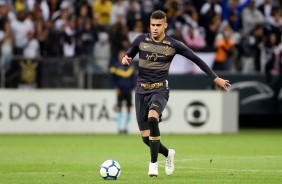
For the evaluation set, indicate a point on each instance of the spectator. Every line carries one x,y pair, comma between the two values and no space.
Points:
102,48
252,17
119,39
62,16
212,30
32,49
69,42
42,5
273,53
138,29
84,13
53,45
173,9
235,38
41,35
6,48
86,39
54,6
232,10
194,40
224,47
208,10
119,11
21,25
4,9
133,14
250,50
147,7
275,23
192,20
177,32
83,10
266,8
102,11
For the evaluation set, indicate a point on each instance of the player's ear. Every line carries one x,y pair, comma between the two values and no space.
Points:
165,25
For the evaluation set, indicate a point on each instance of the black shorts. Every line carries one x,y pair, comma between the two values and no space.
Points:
124,96
145,102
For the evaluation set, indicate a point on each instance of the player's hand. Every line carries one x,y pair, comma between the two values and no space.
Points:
221,83
126,60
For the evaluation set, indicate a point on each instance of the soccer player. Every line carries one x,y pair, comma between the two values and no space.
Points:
123,79
156,51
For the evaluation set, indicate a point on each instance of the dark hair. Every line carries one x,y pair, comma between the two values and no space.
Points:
158,14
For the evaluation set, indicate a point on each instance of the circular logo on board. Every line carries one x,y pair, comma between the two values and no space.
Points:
166,114
196,113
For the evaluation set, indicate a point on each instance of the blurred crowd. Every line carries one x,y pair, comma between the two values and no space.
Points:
244,34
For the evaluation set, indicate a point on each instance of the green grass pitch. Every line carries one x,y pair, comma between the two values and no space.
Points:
251,156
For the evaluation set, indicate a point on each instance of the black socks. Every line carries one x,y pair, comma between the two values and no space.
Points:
163,150
154,138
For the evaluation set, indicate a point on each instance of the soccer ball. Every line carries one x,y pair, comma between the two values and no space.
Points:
110,169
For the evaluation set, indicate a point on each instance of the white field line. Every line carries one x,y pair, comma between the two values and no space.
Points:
199,169
227,158
234,170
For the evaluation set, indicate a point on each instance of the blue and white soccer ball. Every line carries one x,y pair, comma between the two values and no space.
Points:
110,169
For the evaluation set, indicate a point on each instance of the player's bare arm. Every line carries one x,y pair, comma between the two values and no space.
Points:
126,60
221,83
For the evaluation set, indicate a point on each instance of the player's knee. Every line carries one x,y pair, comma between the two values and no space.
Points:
153,113
154,127
146,140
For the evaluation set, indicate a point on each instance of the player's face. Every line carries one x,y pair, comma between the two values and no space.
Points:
157,27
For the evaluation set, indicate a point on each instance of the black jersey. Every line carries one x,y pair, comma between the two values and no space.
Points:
155,59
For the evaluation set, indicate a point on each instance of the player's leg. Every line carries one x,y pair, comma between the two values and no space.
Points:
153,166
128,99
141,115
158,103
155,135
118,112
142,107
163,150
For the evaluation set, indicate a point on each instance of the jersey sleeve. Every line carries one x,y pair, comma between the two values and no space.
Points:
134,48
189,54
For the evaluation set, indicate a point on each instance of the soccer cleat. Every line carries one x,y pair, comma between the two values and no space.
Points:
153,169
169,166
